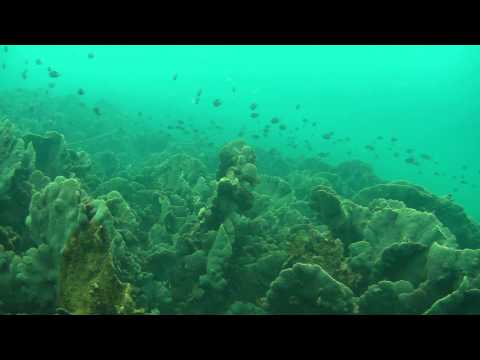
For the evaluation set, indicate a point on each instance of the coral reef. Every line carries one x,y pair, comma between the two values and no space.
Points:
88,283
308,289
142,224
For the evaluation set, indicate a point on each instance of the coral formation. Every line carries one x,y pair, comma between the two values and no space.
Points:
143,224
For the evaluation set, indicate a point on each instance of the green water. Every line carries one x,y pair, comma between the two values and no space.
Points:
426,96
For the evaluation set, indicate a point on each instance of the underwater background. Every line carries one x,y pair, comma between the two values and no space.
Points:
426,96
239,179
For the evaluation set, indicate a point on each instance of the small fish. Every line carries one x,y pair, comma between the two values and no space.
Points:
91,55
305,120
282,127
175,76
24,74
464,167
38,62
217,102
199,93
96,110
5,48
53,73
4,66
253,106
81,92
426,157
196,100
369,147
314,124
275,120
297,107
26,62
379,137
254,115
51,85
234,90
411,161
327,136
393,139
323,154
410,151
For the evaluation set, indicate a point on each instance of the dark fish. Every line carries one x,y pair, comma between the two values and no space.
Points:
24,74
436,173
328,136
369,147
217,102
96,110
81,92
379,137
463,182
196,101
464,167
314,124
410,151
323,154
175,76
393,139
51,85
282,127
256,137
234,90
199,93
91,55
411,161
53,73
305,120
275,120
38,62
425,156
254,115
297,107
253,106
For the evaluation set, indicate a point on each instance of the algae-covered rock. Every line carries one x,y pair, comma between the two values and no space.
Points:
235,184
392,222
28,282
54,159
450,214
241,308
344,218
354,175
88,280
307,245
463,301
384,297
56,212
218,256
125,217
402,261
307,288
16,165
